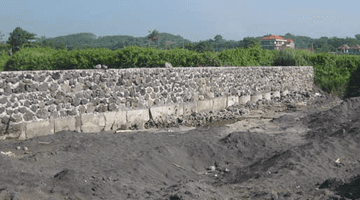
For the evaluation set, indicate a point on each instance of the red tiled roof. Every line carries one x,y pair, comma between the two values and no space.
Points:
275,37
272,37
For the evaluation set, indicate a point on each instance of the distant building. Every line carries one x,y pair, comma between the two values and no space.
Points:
343,48
276,42
354,50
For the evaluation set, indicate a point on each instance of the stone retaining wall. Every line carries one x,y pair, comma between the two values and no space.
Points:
35,103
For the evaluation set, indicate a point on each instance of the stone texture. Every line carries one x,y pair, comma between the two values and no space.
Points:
5,119
41,128
44,95
16,118
42,114
28,116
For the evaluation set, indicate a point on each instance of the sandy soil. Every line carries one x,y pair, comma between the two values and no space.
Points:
293,154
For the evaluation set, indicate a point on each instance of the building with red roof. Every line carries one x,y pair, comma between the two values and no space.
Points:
276,42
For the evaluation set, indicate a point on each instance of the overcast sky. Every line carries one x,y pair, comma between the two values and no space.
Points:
194,20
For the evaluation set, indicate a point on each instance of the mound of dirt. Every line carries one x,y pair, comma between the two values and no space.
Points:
292,154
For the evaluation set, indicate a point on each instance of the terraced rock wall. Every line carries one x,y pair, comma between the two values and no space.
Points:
35,103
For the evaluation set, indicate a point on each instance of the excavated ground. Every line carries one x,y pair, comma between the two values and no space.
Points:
260,151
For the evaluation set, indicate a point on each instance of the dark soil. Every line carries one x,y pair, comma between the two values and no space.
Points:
322,163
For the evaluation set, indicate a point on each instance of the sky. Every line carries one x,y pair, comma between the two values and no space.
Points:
195,20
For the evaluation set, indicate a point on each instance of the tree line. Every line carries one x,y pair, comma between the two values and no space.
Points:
20,38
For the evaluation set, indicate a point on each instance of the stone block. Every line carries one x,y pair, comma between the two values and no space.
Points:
267,95
157,112
276,94
255,97
16,131
172,110
68,123
92,123
109,120
189,108
232,100
204,106
119,120
39,128
244,99
138,116
219,104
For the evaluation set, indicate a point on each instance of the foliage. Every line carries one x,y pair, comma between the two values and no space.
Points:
200,47
3,60
218,44
82,51
30,59
285,58
353,89
1,36
19,38
254,43
357,36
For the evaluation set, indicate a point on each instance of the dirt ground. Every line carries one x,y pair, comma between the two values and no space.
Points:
307,153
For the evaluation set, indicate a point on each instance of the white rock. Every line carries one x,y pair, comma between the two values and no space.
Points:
9,153
168,65
101,67
211,168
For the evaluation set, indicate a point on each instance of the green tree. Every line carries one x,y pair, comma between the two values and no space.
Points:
19,38
251,42
218,39
323,40
326,48
1,36
247,41
64,46
357,36
336,42
203,47
289,36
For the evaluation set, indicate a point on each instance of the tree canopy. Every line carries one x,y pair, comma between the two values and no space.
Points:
20,38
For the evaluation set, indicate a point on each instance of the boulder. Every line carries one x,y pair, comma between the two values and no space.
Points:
99,66
168,65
